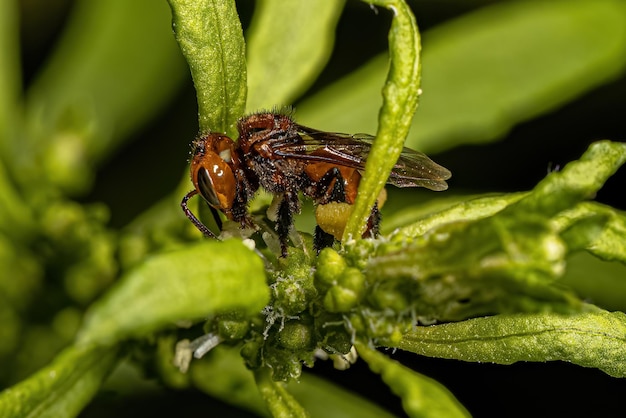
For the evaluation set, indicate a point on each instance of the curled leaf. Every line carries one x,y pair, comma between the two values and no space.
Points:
607,241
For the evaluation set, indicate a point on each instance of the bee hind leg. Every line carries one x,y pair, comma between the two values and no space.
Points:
336,193
373,223
322,239
330,188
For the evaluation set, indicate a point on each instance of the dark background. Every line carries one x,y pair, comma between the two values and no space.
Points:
129,183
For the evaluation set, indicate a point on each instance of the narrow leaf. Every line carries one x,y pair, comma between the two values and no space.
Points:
559,191
593,339
476,208
10,74
421,396
186,284
284,59
400,97
62,388
280,402
209,34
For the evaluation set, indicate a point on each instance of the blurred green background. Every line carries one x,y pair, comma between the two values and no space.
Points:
149,155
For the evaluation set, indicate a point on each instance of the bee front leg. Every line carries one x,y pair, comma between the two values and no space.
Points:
197,223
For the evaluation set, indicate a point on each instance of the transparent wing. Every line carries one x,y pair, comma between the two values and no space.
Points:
413,168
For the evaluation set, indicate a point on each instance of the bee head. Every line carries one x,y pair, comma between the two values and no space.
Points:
212,170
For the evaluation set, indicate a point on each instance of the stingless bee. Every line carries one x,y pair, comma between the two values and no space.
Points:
284,158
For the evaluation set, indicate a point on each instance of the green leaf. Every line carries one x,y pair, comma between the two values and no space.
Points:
16,217
487,71
508,261
321,398
504,263
471,209
351,104
421,396
186,284
209,34
236,386
510,62
10,76
20,274
558,194
579,180
400,97
115,66
593,339
62,388
284,59
278,400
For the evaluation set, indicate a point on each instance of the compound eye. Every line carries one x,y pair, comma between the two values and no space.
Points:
215,181
206,189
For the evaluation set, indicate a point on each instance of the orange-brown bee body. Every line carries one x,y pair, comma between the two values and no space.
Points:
284,158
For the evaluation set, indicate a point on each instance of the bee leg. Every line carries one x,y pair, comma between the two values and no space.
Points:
338,191
332,189
201,227
373,223
289,205
244,194
322,239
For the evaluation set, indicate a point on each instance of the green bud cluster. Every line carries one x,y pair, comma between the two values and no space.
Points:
343,286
